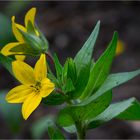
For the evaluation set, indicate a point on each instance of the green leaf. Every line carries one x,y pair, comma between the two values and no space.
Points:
126,110
55,133
65,118
66,81
70,129
84,56
54,99
101,68
11,113
83,61
71,70
58,67
81,82
84,110
132,112
6,62
64,72
115,80
68,87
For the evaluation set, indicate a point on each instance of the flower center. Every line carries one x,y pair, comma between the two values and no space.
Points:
37,86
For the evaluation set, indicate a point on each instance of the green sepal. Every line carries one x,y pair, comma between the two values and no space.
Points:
35,42
43,38
30,28
32,40
25,49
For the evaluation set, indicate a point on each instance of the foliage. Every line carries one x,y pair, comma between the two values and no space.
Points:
82,85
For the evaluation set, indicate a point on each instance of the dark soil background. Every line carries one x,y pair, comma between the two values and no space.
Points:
67,26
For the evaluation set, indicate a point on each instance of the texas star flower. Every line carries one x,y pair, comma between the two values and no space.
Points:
29,18
35,85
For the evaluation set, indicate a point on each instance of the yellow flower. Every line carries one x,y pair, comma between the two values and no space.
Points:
35,85
29,18
120,47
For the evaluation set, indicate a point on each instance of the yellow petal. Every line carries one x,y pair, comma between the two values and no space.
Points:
22,28
6,49
30,16
120,47
23,72
18,94
20,57
40,69
30,104
47,87
36,31
16,32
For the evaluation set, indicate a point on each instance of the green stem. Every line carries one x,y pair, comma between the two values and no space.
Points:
81,135
61,92
81,131
50,57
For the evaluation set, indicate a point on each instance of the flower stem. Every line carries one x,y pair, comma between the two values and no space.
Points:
81,135
81,131
50,57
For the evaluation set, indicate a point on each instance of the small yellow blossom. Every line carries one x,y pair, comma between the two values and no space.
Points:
120,47
35,85
29,17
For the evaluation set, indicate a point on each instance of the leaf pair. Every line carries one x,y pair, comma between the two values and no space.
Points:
101,69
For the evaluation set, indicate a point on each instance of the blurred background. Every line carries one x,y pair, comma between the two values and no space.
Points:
67,26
